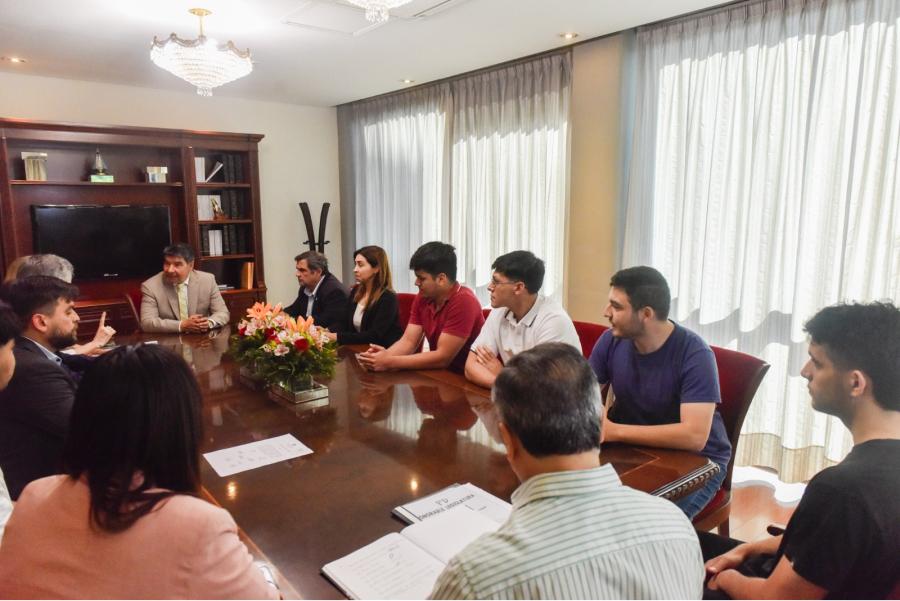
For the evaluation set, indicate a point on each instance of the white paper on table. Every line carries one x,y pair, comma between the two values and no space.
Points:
256,454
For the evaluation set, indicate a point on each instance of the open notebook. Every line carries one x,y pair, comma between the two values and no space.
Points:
406,564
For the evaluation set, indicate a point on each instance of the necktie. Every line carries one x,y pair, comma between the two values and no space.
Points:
182,301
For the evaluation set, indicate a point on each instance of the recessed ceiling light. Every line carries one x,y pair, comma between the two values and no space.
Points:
407,81
568,35
13,59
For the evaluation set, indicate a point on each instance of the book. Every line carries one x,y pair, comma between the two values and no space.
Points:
200,169
215,243
215,170
467,495
35,166
406,564
204,240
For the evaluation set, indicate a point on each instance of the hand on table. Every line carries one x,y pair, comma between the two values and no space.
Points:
487,359
194,324
727,561
375,358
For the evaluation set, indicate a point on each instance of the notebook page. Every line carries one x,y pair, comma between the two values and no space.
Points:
446,534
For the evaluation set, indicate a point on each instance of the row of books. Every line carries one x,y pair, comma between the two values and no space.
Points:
229,204
232,168
224,240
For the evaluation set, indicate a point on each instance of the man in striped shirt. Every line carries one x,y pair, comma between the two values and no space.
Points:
575,531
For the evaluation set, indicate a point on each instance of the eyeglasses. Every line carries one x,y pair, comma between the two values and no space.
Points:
494,283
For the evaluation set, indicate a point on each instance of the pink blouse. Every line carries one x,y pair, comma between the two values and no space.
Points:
185,548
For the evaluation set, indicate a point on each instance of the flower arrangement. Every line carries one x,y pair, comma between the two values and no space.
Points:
282,350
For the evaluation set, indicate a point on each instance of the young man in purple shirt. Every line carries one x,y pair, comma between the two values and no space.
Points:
663,378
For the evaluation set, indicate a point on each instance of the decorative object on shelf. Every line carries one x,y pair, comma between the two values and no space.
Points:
35,166
201,62
157,175
378,11
216,207
99,172
284,352
247,275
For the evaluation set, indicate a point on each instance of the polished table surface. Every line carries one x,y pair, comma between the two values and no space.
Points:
382,440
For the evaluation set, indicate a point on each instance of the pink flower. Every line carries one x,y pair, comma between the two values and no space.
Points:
281,350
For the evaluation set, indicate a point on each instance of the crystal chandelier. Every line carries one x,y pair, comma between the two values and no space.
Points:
201,62
377,10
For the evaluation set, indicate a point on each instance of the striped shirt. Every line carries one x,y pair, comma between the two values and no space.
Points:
580,535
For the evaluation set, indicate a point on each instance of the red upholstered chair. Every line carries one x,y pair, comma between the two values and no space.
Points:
588,334
739,378
404,305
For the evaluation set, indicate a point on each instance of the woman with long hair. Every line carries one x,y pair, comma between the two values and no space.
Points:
125,519
372,309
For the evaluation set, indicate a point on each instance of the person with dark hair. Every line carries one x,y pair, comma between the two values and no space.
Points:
520,320
9,330
180,298
321,296
35,407
843,540
444,313
664,383
125,519
575,532
371,316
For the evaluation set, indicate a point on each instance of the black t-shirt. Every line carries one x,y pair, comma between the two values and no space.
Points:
845,534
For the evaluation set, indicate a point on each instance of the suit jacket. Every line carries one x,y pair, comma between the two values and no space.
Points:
380,322
329,305
159,305
34,417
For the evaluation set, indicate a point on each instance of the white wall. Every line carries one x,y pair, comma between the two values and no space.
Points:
298,158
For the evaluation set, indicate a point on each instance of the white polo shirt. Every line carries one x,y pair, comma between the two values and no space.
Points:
547,321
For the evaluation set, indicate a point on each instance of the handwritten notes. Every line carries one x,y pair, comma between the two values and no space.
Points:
256,454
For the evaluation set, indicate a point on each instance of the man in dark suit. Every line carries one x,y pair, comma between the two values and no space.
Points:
321,295
35,407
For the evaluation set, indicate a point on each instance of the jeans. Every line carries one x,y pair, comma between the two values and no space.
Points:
693,503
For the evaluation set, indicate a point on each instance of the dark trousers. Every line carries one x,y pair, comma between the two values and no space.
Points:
713,545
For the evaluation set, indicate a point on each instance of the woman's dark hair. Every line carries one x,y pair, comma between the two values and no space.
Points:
381,281
136,425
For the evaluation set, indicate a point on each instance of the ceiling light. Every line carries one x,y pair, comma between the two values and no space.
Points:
568,36
407,81
13,59
201,62
377,10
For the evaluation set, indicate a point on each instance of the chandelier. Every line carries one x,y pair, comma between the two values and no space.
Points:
377,10
201,62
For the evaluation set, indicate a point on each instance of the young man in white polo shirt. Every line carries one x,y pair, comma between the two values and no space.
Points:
521,318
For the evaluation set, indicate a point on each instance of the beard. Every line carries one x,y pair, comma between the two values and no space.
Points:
61,340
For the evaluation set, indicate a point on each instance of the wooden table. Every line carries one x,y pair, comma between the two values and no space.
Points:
381,441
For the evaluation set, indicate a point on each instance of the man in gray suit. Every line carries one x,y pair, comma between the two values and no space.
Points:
179,299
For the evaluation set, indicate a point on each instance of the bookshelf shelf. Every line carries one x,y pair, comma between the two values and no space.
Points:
220,186
22,182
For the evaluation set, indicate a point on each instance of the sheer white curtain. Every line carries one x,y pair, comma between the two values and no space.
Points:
480,162
394,175
764,184
509,168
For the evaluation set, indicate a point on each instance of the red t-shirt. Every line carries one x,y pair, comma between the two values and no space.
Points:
460,316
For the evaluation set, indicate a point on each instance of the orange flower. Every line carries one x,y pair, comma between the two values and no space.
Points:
258,310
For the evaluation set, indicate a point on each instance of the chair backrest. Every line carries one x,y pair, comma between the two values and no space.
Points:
588,334
740,375
404,306
133,298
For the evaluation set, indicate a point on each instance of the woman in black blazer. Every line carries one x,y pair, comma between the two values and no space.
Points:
372,310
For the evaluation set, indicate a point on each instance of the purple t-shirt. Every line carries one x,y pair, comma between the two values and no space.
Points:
650,388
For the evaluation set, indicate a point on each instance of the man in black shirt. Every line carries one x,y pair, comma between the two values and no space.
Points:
843,541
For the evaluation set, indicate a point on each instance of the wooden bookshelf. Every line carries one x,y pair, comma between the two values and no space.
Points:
127,151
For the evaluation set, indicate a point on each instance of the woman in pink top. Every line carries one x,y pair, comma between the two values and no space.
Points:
125,521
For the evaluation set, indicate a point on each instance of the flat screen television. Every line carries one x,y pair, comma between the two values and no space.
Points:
104,242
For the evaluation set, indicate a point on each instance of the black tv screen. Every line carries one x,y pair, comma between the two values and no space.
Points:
104,241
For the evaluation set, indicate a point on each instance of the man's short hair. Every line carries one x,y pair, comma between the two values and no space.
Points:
180,249
315,261
645,287
435,258
864,337
521,266
10,327
36,294
549,398
51,265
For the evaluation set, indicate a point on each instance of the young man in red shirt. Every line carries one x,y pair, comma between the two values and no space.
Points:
445,313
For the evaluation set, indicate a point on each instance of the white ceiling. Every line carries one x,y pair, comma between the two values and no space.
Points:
332,56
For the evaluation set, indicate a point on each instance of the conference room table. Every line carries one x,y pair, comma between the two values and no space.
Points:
379,441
